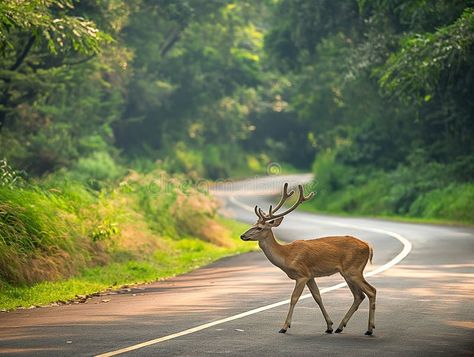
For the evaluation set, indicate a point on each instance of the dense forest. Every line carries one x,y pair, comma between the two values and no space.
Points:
97,97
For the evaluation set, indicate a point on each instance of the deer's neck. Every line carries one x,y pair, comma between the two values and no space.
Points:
273,250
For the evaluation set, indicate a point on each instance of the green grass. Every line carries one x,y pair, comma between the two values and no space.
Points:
421,192
61,238
181,256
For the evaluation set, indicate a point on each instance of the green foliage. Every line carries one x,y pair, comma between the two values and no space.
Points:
330,175
383,92
32,221
155,256
376,94
48,21
303,25
426,59
55,228
417,190
179,77
181,257
97,167
189,92
155,199
8,176
453,202
55,90
105,230
185,160
201,86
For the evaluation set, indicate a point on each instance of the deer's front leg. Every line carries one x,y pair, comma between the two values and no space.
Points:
313,287
300,283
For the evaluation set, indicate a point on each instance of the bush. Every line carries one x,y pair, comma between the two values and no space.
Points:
454,202
213,161
8,176
329,175
181,159
154,194
419,189
96,168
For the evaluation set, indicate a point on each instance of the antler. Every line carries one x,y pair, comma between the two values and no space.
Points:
259,213
285,195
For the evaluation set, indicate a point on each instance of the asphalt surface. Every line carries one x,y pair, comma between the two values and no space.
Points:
424,302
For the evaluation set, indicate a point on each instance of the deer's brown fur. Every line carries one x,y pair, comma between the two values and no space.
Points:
303,260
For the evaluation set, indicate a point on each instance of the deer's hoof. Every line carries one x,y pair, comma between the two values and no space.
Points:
339,330
283,330
369,333
329,330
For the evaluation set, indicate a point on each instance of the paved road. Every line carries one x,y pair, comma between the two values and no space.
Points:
424,308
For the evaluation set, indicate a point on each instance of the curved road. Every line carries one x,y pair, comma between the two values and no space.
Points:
423,274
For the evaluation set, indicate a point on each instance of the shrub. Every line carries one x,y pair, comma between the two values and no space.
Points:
9,177
184,160
419,189
454,202
97,167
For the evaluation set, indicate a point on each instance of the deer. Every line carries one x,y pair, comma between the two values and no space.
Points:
304,260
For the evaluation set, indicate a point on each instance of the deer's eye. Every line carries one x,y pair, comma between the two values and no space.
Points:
259,228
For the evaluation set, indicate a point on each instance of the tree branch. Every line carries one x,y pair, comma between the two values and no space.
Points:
170,42
23,54
82,60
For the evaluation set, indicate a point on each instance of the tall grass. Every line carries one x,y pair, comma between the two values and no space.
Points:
37,235
176,257
147,226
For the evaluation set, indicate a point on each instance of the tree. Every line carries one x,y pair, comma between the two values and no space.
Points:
46,50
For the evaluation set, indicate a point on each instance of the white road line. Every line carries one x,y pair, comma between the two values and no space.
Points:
407,246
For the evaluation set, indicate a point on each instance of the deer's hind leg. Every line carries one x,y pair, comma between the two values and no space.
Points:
313,287
358,298
371,293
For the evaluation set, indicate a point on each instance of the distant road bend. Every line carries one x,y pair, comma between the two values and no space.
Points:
423,274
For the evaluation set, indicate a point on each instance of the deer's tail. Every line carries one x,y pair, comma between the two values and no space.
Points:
371,253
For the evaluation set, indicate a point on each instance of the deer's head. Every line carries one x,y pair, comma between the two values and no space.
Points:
266,221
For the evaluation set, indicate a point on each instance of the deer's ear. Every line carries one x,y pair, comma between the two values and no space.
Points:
275,222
